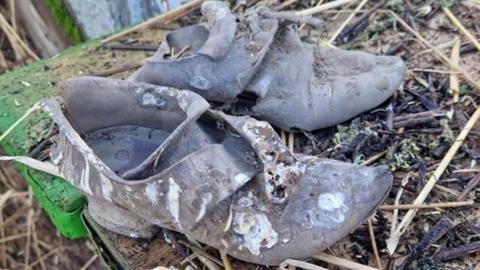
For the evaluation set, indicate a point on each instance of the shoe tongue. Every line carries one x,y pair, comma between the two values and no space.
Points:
192,37
222,26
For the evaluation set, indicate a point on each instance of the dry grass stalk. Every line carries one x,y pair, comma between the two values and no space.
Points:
462,28
291,264
35,164
87,264
226,261
2,246
323,7
394,220
285,4
201,252
437,52
5,196
43,258
447,190
9,33
454,82
392,242
12,14
342,262
283,137
36,247
319,3
3,62
374,158
291,141
14,125
16,41
164,18
472,170
347,21
374,244
13,237
426,206
434,71
29,234
209,264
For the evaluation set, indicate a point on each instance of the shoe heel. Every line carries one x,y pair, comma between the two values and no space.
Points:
120,220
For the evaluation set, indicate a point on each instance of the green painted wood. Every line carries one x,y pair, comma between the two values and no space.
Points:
20,89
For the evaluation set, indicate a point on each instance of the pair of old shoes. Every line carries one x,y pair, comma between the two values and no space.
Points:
151,155
261,65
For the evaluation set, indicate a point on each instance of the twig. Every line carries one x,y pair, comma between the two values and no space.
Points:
128,47
453,253
359,24
374,243
427,206
460,26
470,186
168,16
295,263
407,219
468,48
432,236
414,121
347,21
119,69
401,118
342,262
454,83
437,52
323,7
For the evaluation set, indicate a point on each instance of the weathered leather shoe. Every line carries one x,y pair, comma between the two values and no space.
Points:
289,83
223,56
149,156
302,86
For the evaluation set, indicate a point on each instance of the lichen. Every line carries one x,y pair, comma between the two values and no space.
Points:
346,134
39,127
403,156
